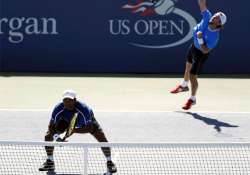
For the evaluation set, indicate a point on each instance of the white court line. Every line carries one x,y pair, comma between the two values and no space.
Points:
130,111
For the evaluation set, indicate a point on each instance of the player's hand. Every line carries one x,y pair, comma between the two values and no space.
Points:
57,138
203,5
199,34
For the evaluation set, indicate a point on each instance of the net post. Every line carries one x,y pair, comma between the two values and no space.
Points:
85,160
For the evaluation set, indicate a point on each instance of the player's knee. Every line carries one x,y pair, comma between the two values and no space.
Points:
95,128
188,66
48,137
100,136
193,76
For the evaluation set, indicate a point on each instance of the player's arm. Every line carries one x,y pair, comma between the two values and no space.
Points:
203,5
204,47
56,111
51,127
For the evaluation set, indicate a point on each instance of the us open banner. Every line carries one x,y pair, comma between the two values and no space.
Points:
126,36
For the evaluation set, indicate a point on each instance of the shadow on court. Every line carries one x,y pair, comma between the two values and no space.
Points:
214,122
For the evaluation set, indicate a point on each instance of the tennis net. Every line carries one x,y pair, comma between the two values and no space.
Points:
24,158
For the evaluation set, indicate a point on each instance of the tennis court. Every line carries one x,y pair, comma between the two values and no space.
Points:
125,60
134,127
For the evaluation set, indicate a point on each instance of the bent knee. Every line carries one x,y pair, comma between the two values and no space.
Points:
48,136
193,76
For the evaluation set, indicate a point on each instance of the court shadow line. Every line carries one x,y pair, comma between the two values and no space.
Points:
210,121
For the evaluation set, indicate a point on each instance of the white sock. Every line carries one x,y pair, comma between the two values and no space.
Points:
50,158
108,158
193,98
184,83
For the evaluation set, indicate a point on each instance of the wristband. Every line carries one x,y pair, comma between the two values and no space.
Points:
200,41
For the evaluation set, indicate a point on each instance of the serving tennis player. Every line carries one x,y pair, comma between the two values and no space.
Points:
205,38
85,122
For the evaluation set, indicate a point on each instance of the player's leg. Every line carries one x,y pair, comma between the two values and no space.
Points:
100,137
187,74
59,128
199,60
189,64
49,164
194,84
183,86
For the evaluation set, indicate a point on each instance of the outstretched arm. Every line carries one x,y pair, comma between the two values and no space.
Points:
203,5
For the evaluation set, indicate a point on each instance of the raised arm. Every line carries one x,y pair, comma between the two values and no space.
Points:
203,5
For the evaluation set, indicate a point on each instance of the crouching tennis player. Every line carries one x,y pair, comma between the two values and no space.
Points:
85,123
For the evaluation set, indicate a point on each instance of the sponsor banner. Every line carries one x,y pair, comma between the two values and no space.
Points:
126,36
158,25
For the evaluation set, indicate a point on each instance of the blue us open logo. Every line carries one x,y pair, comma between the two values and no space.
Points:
154,24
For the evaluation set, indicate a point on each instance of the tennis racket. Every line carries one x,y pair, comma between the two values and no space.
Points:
71,126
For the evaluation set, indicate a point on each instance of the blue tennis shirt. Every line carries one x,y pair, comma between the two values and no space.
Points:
210,37
84,117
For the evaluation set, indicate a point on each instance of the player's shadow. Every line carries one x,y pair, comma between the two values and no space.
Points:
209,121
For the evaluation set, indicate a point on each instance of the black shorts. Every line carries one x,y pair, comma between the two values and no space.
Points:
196,58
